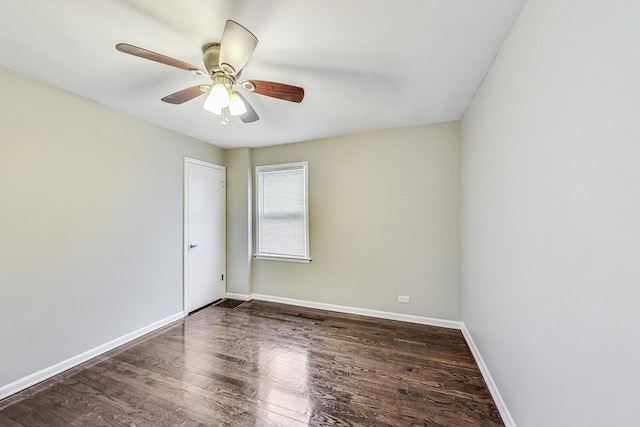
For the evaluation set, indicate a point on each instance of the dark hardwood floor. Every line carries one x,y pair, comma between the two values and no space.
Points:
267,364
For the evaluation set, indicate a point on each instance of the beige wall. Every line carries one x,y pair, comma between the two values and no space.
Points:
384,220
90,224
551,215
239,220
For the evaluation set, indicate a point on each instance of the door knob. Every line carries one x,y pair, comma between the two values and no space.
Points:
191,246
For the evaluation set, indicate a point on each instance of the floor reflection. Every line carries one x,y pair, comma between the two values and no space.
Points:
283,388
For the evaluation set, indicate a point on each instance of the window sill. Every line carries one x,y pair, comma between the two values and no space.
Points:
282,258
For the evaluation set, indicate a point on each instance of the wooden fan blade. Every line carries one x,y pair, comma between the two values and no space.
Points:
236,47
153,56
277,90
250,116
185,95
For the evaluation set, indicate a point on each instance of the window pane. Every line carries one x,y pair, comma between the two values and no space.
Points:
281,210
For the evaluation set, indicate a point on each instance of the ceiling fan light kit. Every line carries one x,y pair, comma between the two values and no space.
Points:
218,95
236,106
224,63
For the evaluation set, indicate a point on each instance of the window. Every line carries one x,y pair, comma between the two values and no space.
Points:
282,212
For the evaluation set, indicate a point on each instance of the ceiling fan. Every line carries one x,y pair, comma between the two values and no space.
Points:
224,63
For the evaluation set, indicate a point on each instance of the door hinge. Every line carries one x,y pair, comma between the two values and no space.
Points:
223,277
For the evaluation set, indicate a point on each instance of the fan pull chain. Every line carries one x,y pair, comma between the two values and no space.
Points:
225,116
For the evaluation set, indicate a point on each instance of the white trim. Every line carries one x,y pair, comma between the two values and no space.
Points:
283,258
243,297
185,225
46,373
452,324
202,163
488,379
284,166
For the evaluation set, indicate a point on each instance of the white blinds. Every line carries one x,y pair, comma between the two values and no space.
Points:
281,211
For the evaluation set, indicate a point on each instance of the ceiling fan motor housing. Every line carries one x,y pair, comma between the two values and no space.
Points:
211,58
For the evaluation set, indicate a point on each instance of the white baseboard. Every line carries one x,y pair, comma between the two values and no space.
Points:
443,323
44,374
242,297
491,385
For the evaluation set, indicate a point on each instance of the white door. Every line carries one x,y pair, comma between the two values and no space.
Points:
204,231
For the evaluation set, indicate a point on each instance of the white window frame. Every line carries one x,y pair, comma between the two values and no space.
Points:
271,257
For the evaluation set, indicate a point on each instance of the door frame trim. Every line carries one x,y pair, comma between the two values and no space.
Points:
185,227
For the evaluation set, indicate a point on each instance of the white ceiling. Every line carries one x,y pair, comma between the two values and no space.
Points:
365,64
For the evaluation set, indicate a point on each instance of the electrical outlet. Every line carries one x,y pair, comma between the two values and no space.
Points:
403,299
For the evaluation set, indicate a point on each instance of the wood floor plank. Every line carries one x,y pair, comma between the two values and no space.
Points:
268,364
145,402
7,421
